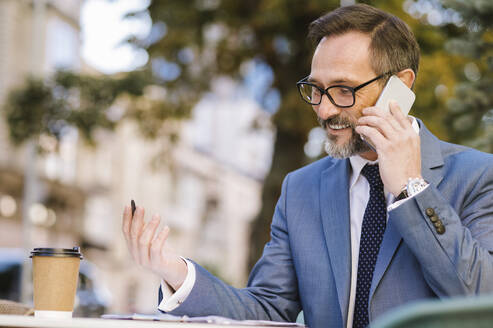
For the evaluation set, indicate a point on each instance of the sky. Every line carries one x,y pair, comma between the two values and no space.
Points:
103,30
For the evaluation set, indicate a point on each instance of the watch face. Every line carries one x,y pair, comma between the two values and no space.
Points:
416,185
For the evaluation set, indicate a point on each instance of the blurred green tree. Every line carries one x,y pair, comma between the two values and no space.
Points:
48,106
470,115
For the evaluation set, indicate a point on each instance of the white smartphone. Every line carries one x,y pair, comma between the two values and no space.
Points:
395,90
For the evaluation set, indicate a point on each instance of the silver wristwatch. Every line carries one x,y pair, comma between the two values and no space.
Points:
414,186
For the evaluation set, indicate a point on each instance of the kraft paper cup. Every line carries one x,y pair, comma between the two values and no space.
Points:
55,276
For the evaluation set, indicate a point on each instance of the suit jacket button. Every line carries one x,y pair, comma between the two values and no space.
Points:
441,230
434,218
438,224
429,211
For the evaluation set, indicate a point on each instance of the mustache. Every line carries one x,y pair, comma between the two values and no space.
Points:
338,120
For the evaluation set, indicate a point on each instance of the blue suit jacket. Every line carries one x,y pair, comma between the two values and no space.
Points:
307,263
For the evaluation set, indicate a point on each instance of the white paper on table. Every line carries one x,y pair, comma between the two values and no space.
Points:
150,317
208,319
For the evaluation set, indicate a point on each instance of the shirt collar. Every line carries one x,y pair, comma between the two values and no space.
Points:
358,162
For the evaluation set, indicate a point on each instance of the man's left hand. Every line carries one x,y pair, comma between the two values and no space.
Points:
396,143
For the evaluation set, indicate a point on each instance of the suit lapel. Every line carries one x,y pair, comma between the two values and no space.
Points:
390,242
334,200
431,156
431,163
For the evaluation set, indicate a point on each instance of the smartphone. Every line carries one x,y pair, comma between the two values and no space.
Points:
395,90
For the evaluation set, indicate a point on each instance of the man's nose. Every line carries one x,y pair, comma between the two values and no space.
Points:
327,109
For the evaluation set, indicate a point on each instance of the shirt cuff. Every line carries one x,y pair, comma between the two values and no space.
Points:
171,300
402,201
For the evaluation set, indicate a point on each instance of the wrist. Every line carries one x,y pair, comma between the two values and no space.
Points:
401,187
176,273
401,194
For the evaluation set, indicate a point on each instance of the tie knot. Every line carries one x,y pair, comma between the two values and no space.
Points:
372,174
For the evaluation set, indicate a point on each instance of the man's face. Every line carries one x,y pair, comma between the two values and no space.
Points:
343,60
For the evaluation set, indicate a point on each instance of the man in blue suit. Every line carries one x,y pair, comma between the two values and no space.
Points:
362,230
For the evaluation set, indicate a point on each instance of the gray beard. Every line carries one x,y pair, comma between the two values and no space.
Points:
354,146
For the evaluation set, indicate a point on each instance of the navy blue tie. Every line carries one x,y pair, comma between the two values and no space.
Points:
372,230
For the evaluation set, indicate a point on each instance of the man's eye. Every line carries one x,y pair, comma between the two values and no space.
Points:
344,91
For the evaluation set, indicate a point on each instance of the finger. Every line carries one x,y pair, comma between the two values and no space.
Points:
384,126
399,116
385,114
374,111
157,246
126,226
373,135
136,223
127,216
145,239
136,226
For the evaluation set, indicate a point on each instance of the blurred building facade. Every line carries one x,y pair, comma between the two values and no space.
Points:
207,186
27,49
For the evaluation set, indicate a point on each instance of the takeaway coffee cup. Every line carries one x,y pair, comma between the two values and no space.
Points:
55,276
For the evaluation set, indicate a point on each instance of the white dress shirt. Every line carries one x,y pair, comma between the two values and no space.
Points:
359,194
172,299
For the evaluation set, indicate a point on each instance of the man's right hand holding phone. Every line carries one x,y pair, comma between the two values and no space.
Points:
396,142
148,247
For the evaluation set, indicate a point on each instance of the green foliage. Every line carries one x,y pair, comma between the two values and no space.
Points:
67,99
206,39
31,111
470,111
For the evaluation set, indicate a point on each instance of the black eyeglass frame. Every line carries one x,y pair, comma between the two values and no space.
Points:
326,91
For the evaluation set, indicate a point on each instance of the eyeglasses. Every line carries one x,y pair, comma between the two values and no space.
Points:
340,95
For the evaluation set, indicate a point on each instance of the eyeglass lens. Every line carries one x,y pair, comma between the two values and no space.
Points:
341,96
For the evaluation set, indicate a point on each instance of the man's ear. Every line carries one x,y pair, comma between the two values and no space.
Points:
407,76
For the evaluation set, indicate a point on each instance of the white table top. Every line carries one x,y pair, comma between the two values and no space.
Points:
32,322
